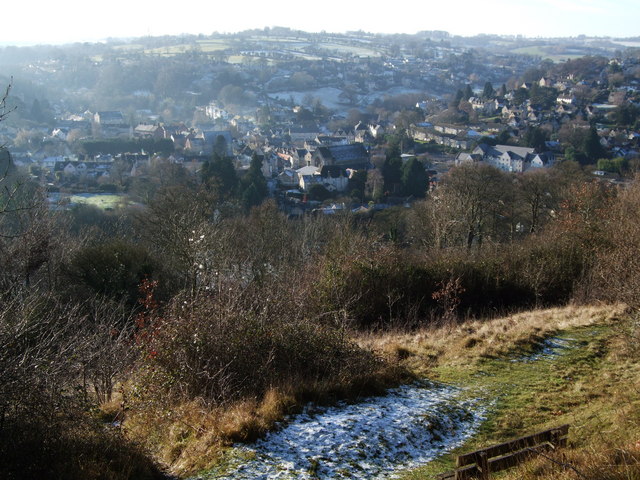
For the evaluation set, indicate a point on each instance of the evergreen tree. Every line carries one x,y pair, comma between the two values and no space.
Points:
251,197
36,111
488,93
535,137
220,146
414,179
357,184
468,92
456,100
593,149
520,96
393,147
254,184
219,175
503,138
392,167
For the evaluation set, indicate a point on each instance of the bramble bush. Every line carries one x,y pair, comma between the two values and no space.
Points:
225,348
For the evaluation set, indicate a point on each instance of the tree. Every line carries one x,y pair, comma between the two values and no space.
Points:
537,190
220,146
301,81
616,275
231,95
181,228
617,165
467,93
467,109
5,110
219,176
392,166
520,96
254,184
473,193
488,92
374,188
503,138
544,97
114,269
357,184
392,174
36,111
414,179
459,96
626,115
593,149
318,192
536,138
582,142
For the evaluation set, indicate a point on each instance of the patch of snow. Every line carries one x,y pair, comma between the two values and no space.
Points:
408,426
548,348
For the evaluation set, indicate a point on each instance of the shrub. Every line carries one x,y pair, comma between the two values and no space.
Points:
114,269
616,273
221,350
48,353
389,287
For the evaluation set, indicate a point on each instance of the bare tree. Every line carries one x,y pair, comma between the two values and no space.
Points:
474,193
538,191
5,110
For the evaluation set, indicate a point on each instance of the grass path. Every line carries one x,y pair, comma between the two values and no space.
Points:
586,377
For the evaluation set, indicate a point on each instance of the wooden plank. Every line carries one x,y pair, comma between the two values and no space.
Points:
459,474
514,445
496,464
466,473
511,460
446,476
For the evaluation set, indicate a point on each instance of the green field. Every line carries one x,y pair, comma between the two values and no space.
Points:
539,51
291,44
103,201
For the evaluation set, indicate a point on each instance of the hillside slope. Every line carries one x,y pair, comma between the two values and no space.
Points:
576,365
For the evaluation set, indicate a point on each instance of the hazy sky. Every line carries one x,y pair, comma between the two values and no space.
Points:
39,21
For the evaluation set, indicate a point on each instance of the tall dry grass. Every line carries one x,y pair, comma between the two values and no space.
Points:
467,341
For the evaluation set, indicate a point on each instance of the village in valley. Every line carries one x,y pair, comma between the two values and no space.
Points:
321,113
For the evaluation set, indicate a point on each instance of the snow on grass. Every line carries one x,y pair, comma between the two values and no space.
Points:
409,426
550,347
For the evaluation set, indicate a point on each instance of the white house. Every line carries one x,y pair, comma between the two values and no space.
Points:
509,158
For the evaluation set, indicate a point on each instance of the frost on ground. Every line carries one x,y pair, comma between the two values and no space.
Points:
409,426
549,348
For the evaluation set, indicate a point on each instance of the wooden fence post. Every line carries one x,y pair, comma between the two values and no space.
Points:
483,465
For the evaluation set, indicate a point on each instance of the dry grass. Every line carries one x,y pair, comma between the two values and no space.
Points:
462,343
190,437
194,436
